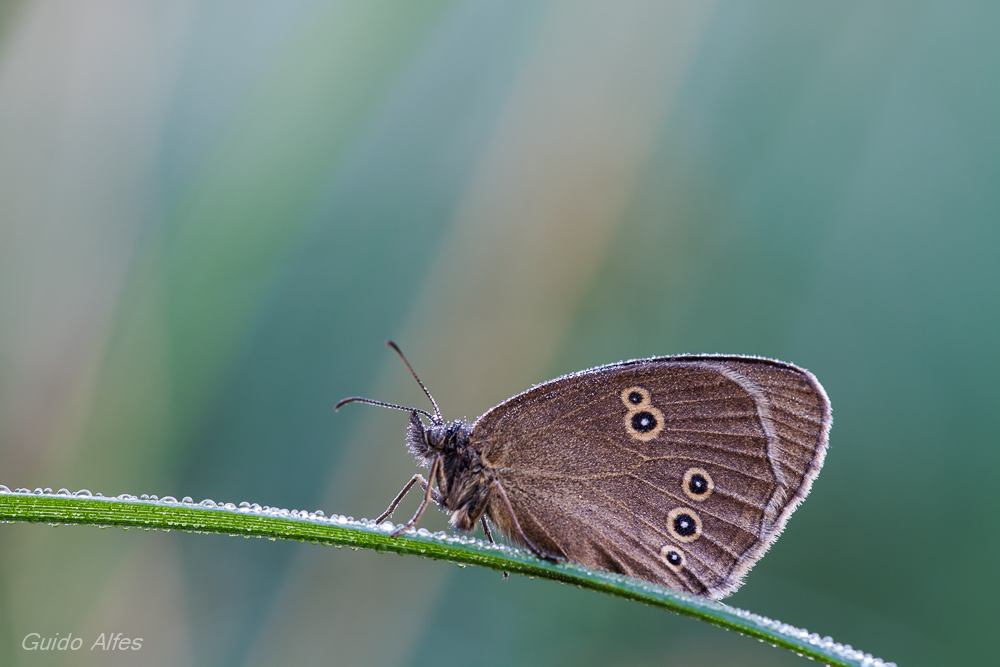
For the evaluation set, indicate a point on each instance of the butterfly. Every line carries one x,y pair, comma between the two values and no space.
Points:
678,470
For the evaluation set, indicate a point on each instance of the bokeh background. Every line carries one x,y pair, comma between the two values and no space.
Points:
212,214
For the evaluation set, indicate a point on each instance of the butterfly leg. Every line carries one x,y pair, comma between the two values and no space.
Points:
417,479
489,536
399,497
486,529
435,466
496,488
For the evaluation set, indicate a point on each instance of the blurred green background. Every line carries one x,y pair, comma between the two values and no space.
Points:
212,214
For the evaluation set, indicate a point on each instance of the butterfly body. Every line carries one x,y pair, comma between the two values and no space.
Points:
462,480
677,470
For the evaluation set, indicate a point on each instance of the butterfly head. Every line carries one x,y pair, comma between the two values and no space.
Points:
447,440
436,439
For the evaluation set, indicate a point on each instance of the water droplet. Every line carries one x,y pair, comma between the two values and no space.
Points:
245,505
48,489
83,493
170,500
319,513
4,489
187,500
229,506
60,492
208,502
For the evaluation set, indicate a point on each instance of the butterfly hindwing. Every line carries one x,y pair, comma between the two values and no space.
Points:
677,470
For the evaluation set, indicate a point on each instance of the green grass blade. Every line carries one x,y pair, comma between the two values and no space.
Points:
248,520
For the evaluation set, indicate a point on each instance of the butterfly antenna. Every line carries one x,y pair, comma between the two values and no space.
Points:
437,411
369,401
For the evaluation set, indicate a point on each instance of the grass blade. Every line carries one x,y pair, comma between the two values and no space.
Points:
63,507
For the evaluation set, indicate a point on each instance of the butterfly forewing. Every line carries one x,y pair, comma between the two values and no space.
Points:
678,470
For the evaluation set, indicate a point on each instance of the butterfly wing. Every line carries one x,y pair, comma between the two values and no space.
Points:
677,470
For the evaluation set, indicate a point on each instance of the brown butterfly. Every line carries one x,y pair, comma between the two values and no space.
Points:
678,470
